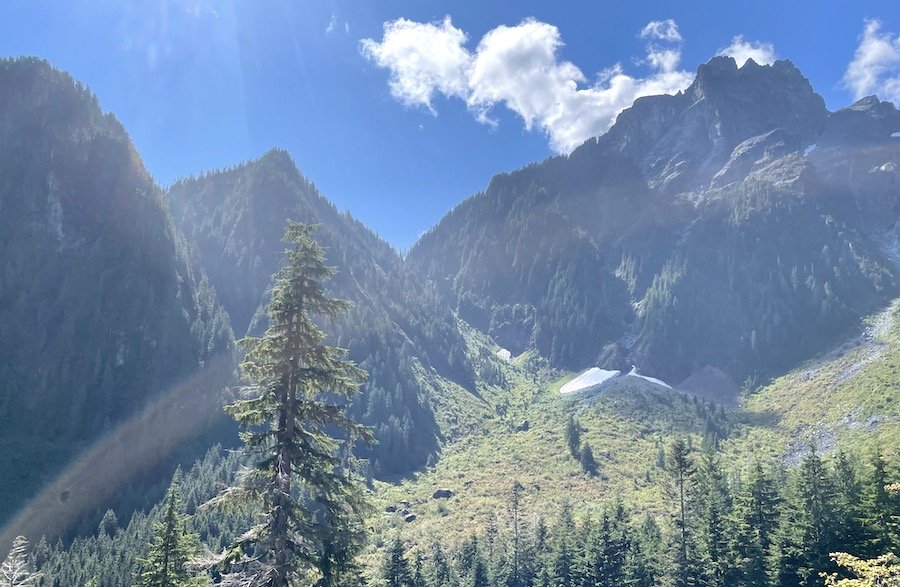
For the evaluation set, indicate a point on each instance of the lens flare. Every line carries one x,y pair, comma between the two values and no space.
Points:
135,446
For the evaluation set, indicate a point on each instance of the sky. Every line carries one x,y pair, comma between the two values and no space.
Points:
399,110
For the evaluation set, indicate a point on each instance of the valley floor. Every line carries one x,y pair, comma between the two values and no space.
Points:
849,397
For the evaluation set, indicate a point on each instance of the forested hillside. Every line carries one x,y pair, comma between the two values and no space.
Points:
101,308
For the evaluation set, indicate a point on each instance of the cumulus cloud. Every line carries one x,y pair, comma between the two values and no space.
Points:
519,67
741,50
875,68
423,58
661,30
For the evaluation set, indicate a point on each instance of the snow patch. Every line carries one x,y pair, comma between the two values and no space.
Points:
634,373
590,379
504,355
809,150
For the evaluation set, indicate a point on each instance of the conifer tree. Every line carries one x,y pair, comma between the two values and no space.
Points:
681,468
644,565
755,520
564,565
882,508
419,572
396,571
713,501
617,543
573,436
17,569
515,495
479,573
808,532
440,567
172,547
852,533
294,422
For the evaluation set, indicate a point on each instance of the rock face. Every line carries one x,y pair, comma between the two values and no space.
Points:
701,229
682,141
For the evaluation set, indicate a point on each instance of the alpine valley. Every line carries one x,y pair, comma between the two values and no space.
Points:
630,364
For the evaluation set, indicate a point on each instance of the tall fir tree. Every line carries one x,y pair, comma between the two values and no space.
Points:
396,572
808,531
755,520
853,536
563,557
712,502
296,429
882,508
515,497
172,548
441,574
681,467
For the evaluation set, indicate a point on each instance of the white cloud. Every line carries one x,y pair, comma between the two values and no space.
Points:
875,68
661,30
334,24
519,67
423,58
741,50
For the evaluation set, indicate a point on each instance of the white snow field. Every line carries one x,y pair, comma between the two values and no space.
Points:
634,373
590,379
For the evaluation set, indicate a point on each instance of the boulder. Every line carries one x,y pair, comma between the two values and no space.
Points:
523,426
442,494
409,518
390,509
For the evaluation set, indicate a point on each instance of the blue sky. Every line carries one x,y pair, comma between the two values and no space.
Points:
204,84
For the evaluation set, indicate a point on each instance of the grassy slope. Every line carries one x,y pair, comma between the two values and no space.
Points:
624,428
850,397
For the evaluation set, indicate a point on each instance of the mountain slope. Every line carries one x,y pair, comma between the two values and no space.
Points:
400,330
709,228
100,308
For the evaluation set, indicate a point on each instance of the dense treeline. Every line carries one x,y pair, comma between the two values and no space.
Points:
758,525
763,526
111,555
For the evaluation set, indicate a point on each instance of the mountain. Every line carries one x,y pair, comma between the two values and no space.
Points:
400,330
100,307
737,226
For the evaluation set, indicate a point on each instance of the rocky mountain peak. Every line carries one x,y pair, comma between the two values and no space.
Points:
682,141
